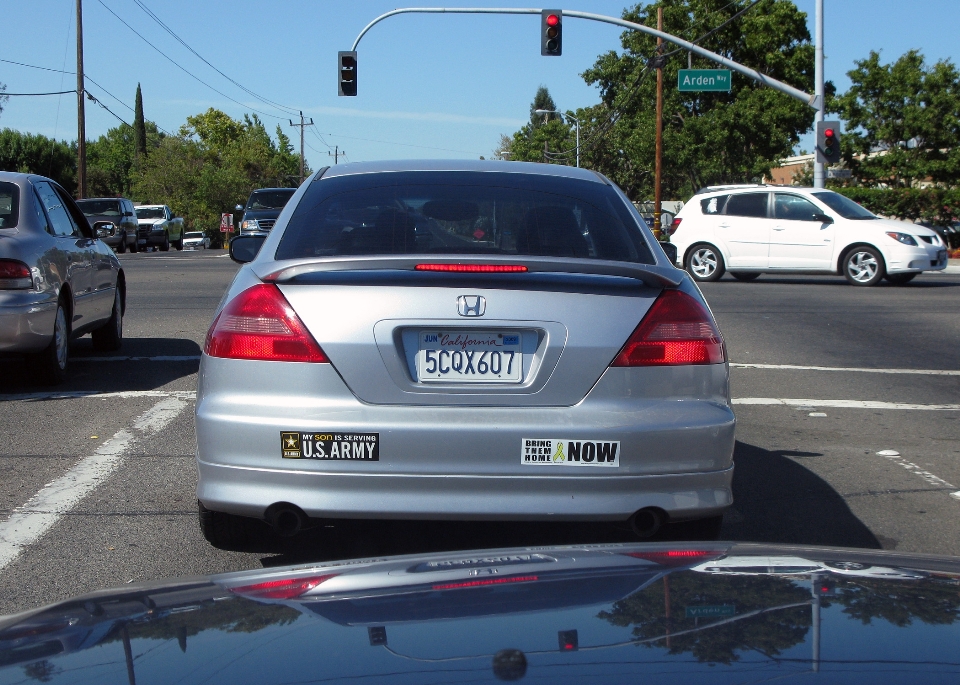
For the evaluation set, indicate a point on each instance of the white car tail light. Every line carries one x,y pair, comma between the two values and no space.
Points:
14,275
260,324
287,588
677,330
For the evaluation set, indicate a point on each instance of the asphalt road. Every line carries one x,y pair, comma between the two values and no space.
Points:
815,397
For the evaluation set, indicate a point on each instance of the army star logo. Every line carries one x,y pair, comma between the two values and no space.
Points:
291,441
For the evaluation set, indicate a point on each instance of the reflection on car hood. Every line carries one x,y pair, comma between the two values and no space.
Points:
902,226
714,612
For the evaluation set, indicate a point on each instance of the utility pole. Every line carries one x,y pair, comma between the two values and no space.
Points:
659,145
336,153
818,167
302,124
81,119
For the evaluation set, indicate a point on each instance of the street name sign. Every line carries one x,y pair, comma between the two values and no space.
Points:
839,173
697,80
708,611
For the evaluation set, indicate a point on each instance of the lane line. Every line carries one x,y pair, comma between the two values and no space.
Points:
95,394
843,404
896,458
42,511
159,358
795,367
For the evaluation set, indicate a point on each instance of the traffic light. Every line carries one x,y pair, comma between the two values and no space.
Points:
824,588
348,72
828,141
551,33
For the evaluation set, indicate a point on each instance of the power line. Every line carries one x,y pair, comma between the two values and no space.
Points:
57,92
91,97
150,13
183,69
390,142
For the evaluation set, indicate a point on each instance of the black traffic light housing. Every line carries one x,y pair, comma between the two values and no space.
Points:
347,65
824,587
551,33
569,641
828,142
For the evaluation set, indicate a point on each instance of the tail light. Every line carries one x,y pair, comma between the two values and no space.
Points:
260,324
485,582
677,330
288,588
674,225
677,557
14,275
473,268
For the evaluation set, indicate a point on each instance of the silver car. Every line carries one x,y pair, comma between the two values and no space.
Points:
461,340
58,280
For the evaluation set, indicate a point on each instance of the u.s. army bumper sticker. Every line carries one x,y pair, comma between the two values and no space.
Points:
338,446
564,452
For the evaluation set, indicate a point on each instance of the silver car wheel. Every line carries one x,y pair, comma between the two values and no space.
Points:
862,266
703,262
61,339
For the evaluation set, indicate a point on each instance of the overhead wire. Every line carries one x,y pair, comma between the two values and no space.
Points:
152,15
184,69
56,92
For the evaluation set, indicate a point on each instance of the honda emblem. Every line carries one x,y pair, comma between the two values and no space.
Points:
471,305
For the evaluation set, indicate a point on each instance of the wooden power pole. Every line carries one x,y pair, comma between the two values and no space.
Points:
302,125
81,119
659,145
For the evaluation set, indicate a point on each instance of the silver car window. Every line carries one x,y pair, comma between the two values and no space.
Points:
9,205
63,223
713,205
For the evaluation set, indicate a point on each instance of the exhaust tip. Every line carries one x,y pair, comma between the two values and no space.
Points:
647,522
286,519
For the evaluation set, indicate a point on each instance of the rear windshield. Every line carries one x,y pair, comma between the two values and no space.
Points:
844,206
463,213
9,205
99,207
191,234
270,199
150,213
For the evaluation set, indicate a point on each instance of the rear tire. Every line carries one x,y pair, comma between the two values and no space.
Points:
222,530
52,363
122,247
900,279
705,263
179,243
165,247
745,275
134,246
863,266
109,337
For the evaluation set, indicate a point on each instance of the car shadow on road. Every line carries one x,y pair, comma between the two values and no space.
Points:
777,499
99,372
838,281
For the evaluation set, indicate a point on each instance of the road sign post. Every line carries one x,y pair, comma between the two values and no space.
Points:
703,80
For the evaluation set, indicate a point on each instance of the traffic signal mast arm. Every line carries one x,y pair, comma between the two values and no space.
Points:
796,93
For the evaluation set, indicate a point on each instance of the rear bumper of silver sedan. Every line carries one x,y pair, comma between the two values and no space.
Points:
463,462
26,321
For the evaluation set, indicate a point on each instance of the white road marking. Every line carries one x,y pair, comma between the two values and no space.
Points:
894,457
42,511
161,358
79,394
843,404
795,367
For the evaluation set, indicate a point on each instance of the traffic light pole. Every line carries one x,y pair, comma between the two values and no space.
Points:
813,101
818,167
657,227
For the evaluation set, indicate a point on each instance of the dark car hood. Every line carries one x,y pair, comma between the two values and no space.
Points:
261,213
711,612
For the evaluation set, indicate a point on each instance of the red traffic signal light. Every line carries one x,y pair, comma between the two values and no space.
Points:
829,133
552,20
551,33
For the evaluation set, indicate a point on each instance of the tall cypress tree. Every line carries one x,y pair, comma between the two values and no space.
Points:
139,128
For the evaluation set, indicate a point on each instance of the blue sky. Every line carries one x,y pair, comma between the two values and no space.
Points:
430,85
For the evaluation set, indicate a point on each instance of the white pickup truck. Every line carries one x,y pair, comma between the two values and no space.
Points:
158,227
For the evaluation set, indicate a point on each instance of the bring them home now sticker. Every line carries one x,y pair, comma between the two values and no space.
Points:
566,452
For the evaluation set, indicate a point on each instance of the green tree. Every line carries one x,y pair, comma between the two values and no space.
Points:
36,154
3,98
545,134
902,120
542,100
112,157
139,127
707,137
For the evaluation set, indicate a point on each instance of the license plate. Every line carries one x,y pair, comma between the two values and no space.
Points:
469,357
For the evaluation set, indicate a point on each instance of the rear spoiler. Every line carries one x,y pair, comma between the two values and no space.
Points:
651,274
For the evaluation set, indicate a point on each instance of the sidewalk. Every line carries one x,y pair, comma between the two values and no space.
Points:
953,266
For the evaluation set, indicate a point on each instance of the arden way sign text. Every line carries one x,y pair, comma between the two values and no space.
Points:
696,80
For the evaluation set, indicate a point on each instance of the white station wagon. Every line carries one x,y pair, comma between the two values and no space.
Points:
749,230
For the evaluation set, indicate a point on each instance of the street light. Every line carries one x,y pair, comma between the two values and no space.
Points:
568,116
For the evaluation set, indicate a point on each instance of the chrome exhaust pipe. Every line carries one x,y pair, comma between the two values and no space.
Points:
286,519
646,522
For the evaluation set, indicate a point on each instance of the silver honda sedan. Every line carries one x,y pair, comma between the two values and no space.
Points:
461,340
58,280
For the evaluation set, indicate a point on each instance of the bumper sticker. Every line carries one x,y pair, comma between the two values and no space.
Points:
565,452
322,445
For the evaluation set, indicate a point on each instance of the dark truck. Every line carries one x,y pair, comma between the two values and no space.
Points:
263,208
119,212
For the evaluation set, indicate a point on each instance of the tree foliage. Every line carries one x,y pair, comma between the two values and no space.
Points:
30,153
902,120
3,98
542,101
111,159
139,127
